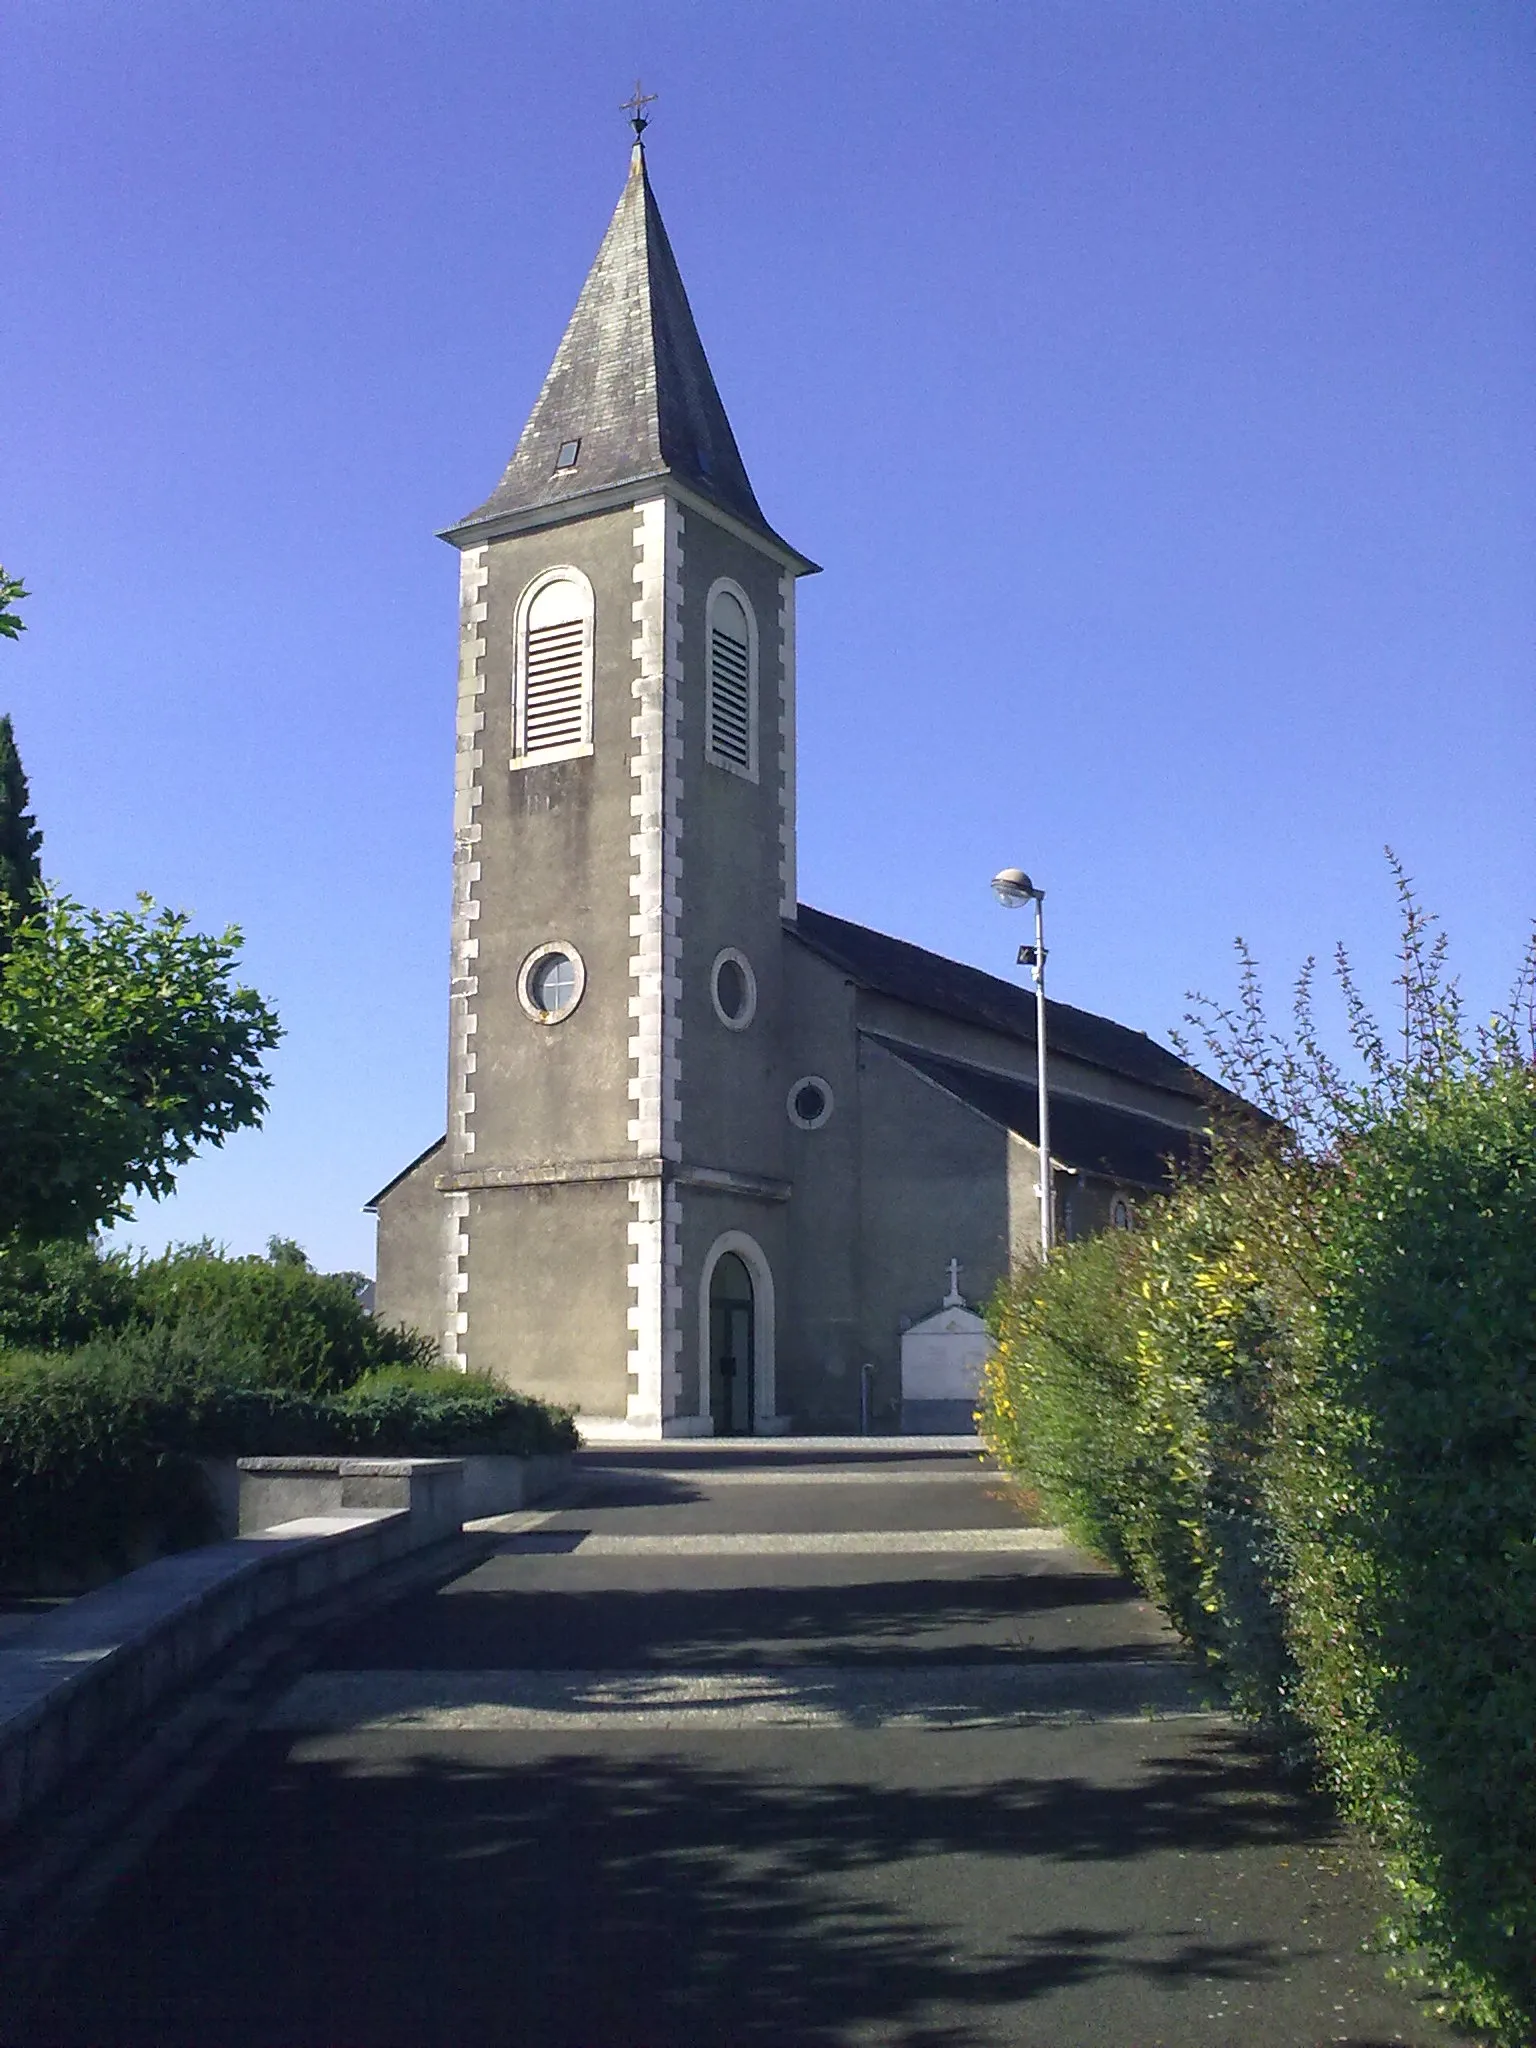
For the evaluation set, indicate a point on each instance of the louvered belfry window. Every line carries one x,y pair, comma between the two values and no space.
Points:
553,710
730,739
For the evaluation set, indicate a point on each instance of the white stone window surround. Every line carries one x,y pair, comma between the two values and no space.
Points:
810,1123
749,1008
750,1252
525,975
726,585
521,757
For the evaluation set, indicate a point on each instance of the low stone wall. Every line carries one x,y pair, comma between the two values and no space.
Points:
273,1490
500,1486
77,1678
254,1493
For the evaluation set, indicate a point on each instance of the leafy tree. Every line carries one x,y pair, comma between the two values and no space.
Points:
21,878
125,1043
12,626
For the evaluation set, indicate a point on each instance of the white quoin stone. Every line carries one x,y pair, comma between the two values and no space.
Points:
943,1356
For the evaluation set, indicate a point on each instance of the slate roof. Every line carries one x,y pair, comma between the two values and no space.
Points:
630,382
892,967
1093,1137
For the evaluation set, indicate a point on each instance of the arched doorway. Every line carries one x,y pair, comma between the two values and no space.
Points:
732,1347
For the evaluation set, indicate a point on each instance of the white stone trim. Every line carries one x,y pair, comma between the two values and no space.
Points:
455,1271
828,1102
464,982
766,1419
655,966
788,881
749,982
520,757
525,977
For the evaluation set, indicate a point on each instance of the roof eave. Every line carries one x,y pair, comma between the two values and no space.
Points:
481,528
371,1206
1191,1093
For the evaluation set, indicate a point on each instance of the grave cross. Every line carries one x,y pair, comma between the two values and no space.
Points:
954,1298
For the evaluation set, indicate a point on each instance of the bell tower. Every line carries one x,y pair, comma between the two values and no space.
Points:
613,1186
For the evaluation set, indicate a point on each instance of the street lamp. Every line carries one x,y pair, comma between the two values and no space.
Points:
1013,889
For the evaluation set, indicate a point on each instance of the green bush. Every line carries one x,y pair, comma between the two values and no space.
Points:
474,1416
1322,1463
1405,1486
1059,1397
99,1447
311,1330
1131,1386
1225,1288
97,1452
56,1296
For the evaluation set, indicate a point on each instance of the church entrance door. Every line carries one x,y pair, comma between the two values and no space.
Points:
732,1393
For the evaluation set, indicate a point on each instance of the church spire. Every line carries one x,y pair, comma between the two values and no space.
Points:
630,395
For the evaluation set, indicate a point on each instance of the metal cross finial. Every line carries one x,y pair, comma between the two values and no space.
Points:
639,120
954,1299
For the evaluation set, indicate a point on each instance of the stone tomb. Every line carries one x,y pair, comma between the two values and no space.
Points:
942,1360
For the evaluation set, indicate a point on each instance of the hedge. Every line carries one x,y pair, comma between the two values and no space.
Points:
1404,1485
99,1448
1059,1396
1301,1411
310,1329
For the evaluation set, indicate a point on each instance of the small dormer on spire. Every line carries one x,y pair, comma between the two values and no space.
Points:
630,395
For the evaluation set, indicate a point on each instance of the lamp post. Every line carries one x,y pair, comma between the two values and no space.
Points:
1013,889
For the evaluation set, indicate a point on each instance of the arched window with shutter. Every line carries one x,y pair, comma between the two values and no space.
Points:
730,715
552,698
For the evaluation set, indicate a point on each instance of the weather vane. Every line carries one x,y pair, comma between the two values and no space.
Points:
639,120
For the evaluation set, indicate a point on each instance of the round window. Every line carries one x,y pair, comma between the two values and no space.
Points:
733,989
551,983
810,1103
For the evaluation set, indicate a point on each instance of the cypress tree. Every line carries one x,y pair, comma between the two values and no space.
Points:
21,877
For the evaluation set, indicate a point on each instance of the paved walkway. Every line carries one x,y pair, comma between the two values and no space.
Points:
796,1748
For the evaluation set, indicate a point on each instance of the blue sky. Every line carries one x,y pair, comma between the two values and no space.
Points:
1155,383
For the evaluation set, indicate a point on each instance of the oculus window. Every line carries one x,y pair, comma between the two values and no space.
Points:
733,989
809,1102
551,982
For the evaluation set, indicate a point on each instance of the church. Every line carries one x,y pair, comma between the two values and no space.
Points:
716,1162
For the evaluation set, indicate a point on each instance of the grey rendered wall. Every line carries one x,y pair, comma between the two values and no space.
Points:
731,1083
551,1294
555,863
820,1346
547,1298
409,1287
934,1186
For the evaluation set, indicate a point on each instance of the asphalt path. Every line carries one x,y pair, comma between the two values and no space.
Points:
796,1749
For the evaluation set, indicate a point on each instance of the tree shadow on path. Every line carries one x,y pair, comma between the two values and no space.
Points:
385,1890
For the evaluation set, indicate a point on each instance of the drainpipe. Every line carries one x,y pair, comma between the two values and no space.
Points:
866,1394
